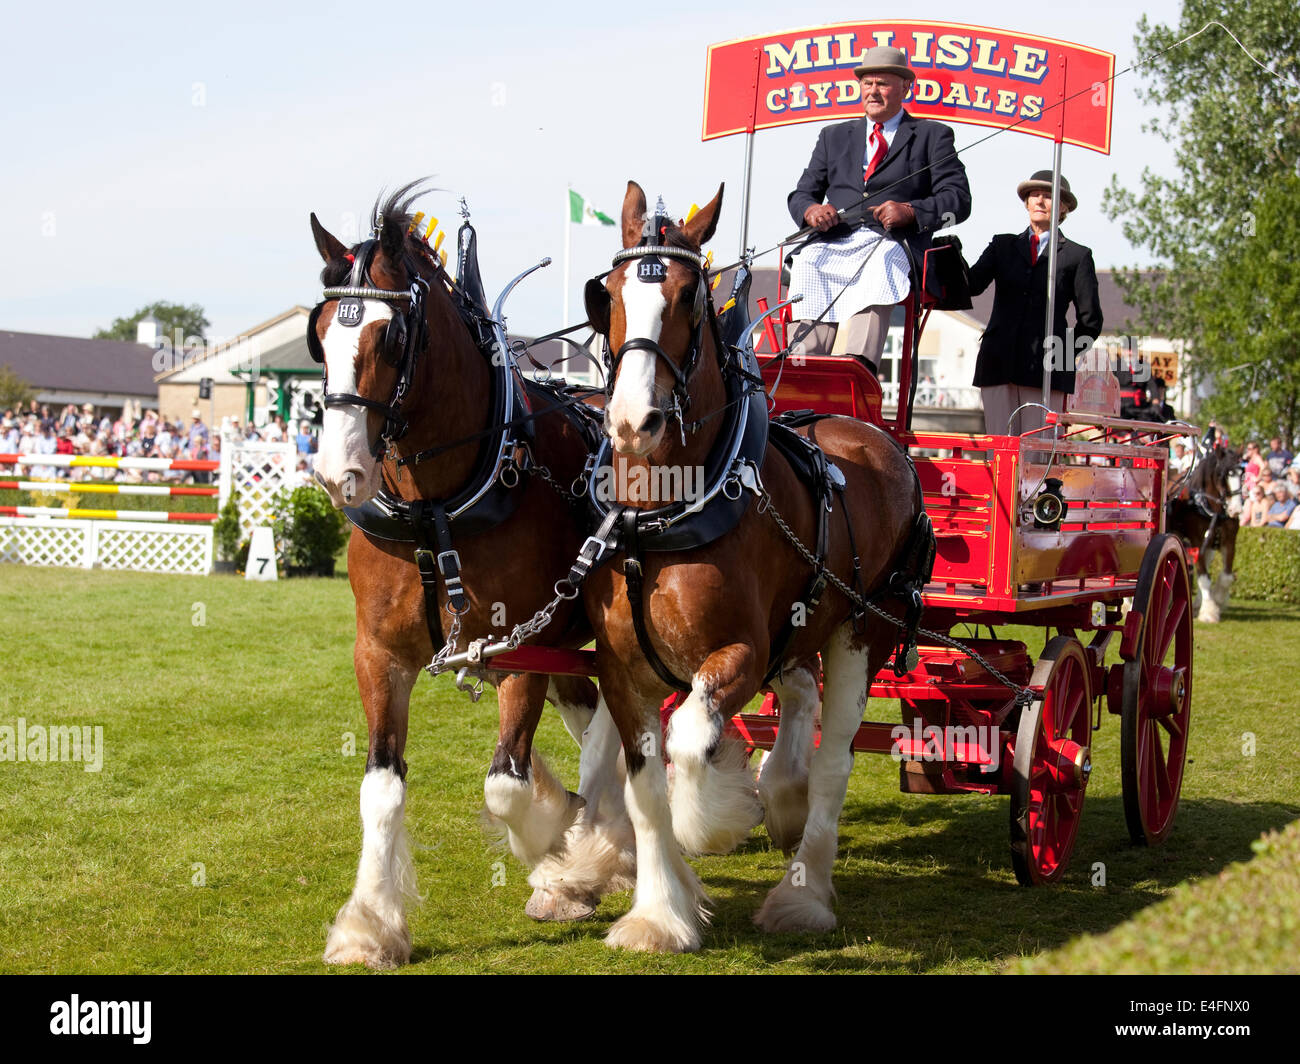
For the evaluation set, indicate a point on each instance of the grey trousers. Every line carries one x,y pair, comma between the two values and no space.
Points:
865,335
1000,400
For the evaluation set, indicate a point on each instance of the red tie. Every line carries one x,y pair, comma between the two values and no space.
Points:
878,151
1033,248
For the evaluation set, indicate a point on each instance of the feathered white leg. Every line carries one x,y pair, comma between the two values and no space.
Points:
713,798
1209,607
597,855
783,780
669,907
371,927
802,900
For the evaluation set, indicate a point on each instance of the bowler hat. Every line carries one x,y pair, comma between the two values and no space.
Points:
884,60
1042,179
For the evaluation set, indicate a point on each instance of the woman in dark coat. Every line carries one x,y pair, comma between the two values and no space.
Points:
1009,370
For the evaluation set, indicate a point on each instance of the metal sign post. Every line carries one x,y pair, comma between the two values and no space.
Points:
1051,242
749,154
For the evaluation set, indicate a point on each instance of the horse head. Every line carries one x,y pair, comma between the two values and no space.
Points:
651,308
368,334
1224,472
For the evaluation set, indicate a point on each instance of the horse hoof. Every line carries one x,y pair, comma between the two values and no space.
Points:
360,936
558,908
647,936
785,912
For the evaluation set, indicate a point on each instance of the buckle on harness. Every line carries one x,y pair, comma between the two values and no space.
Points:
449,566
588,555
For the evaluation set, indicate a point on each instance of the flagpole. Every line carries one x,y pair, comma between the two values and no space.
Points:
568,228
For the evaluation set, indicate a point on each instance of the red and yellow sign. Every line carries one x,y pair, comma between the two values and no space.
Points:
972,74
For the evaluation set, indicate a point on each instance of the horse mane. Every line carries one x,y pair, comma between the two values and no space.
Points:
391,217
393,214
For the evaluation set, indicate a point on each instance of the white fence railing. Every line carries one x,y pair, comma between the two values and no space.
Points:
141,546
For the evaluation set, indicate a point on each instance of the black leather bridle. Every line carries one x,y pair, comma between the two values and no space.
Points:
404,339
650,270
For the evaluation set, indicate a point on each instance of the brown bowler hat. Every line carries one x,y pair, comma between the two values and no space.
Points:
884,60
1043,180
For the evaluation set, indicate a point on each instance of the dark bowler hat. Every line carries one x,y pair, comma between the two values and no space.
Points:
1043,179
884,60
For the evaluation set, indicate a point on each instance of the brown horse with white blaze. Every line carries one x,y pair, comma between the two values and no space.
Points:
406,377
716,614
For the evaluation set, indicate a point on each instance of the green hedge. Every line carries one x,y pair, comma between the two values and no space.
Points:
1267,565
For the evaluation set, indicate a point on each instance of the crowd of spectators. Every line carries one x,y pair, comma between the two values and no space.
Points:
1270,484
36,429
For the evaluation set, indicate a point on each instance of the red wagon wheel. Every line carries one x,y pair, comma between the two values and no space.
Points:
1051,765
1157,702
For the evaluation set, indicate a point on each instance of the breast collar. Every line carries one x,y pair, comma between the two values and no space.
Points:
487,499
732,466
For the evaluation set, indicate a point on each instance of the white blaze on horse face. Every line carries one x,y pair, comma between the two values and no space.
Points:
644,306
345,467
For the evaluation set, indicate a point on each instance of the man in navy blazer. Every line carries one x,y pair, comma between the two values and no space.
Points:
898,176
1009,369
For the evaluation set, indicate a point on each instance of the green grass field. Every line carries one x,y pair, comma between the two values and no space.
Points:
223,831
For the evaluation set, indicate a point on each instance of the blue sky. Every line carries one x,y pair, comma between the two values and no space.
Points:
155,151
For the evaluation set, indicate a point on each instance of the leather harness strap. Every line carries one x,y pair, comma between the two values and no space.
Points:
634,574
435,556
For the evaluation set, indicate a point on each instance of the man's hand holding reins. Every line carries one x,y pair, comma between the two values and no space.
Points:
894,215
821,216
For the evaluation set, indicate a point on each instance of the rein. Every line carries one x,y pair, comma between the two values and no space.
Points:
433,452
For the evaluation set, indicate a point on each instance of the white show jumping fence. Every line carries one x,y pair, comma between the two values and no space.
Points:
152,547
155,542
257,471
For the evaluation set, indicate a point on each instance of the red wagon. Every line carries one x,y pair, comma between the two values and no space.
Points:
1094,543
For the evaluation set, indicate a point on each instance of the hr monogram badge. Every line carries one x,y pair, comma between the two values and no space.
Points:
351,311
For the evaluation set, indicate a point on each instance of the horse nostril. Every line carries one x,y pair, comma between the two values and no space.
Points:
653,423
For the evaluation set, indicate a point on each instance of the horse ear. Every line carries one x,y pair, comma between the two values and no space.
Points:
705,222
327,244
633,214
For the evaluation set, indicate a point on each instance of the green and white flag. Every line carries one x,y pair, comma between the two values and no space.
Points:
583,213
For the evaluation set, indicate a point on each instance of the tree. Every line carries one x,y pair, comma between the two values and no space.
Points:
1221,228
190,321
14,391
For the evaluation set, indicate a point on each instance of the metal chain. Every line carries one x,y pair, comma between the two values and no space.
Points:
542,618
1023,694
525,630
439,662
560,489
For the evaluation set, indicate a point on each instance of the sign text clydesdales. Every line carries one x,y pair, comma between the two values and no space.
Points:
963,73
